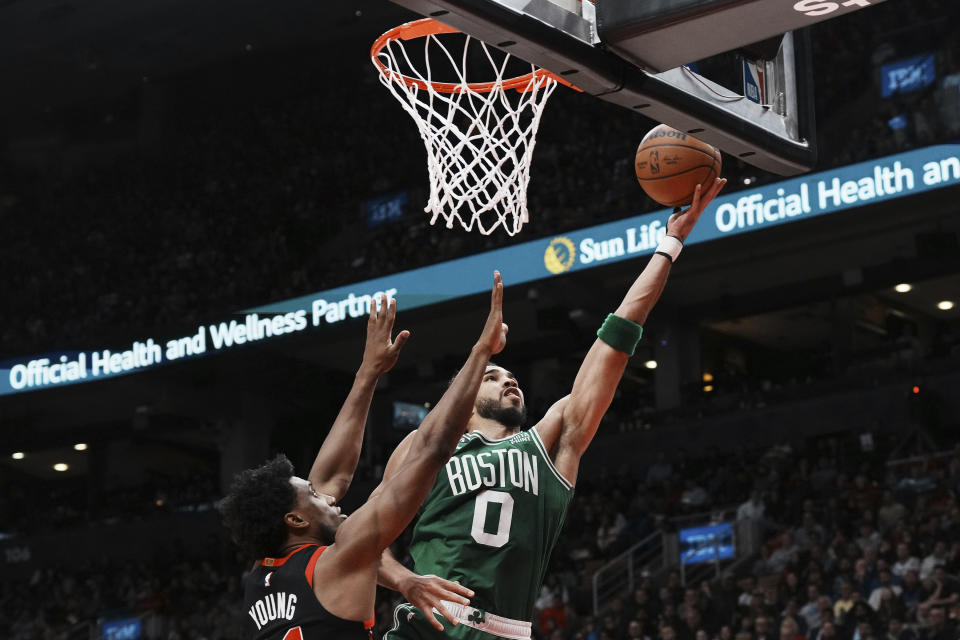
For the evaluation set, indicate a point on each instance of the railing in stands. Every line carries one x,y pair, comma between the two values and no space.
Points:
619,575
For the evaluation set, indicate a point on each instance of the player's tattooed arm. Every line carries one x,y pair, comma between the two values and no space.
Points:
570,425
333,468
424,592
364,535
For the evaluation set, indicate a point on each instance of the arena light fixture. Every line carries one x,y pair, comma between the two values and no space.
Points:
903,287
707,388
708,377
61,466
945,305
80,446
17,455
650,364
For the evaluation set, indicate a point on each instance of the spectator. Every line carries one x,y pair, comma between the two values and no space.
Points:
694,496
747,588
864,631
845,601
886,585
913,592
827,632
784,554
753,508
809,532
762,630
554,616
635,631
659,471
611,528
937,626
692,622
905,561
938,556
792,611
890,512
862,579
896,631
789,630
810,611
948,587
869,537
641,602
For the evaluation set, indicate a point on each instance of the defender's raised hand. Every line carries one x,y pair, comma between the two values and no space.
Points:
494,335
381,350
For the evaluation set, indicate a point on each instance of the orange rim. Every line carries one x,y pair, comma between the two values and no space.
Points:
430,27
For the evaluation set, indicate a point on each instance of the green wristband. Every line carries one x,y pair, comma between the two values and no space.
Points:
620,333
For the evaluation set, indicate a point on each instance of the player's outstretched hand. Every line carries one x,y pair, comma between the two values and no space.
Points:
681,223
429,592
494,336
382,350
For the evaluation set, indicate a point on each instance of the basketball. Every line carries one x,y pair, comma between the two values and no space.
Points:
670,164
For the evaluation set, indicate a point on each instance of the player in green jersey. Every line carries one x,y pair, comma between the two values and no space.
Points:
495,511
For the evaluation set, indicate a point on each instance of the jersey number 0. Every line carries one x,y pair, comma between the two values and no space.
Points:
478,530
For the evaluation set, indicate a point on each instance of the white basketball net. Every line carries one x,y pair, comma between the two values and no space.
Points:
479,137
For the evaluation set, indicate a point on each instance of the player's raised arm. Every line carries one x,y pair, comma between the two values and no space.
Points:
571,423
333,468
362,537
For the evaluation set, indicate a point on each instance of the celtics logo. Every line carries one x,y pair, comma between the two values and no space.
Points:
559,255
477,617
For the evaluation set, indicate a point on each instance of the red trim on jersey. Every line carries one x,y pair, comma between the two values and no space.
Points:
308,572
368,624
276,562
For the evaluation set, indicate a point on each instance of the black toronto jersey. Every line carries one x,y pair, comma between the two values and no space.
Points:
279,603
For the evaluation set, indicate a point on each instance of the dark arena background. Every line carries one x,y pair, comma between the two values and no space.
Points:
780,459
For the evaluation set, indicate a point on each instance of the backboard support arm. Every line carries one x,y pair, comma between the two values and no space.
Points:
547,35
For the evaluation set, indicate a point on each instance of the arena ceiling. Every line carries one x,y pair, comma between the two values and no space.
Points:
55,53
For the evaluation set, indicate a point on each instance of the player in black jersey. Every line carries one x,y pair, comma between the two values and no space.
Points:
318,574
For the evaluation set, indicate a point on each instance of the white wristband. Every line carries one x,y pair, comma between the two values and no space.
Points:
669,248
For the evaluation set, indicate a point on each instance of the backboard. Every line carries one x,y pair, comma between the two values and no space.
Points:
634,53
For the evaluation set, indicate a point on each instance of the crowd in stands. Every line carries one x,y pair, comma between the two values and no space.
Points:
177,593
86,502
265,203
855,545
853,548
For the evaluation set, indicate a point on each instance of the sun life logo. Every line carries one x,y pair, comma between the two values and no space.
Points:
560,255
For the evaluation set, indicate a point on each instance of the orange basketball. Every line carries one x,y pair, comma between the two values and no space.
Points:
670,164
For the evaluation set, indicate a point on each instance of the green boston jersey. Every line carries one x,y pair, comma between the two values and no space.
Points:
492,519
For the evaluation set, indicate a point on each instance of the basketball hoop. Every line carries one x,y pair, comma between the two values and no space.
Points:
479,135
